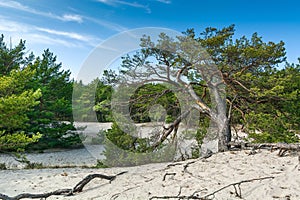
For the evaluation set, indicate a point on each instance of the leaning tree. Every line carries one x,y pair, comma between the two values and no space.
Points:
212,74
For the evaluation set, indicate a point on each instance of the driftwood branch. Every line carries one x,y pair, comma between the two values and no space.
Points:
66,192
237,184
283,147
195,195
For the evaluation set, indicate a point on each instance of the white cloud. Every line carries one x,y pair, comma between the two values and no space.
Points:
165,1
40,35
15,5
72,17
92,41
71,35
44,39
126,3
105,1
11,26
18,6
109,25
65,17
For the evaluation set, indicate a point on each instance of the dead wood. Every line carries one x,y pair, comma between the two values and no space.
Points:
282,147
168,174
236,186
66,192
195,195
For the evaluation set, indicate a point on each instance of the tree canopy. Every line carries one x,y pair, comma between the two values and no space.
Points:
247,77
35,98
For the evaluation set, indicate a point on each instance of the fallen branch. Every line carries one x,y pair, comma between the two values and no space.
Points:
66,192
295,147
238,193
168,174
195,195
283,147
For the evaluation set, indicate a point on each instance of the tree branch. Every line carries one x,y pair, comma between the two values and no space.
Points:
283,147
237,184
67,192
168,130
196,196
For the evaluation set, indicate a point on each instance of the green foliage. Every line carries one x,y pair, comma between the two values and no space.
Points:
122,149
126,141
56,87
276,115
100,165
35,94
249,67
86,103
109,77
15,100
199,136
16,141
202,130
149,95
83,101
268,128
92,99
55,104
102,102
266,99
12,58
58,135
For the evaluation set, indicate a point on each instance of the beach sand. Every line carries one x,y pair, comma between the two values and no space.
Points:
201,177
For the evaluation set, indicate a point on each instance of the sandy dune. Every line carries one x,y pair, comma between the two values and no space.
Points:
144,182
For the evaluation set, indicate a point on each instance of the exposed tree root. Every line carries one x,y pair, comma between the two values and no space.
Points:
66,192
236,186
282,147
195,195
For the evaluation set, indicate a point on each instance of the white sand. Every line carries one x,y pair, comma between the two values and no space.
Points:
58,157
143,182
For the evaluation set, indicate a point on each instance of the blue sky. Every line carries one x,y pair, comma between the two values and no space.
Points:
73,28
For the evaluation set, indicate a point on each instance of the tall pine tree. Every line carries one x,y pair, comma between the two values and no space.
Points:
55,106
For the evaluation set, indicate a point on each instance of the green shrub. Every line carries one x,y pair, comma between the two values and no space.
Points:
16,141
268,128
59,135
122,149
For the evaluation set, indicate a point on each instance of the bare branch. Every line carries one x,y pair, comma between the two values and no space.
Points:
168,130
240,84
237,184
67,192
168,174
272,146
196,196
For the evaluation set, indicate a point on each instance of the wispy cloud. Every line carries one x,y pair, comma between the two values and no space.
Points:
90,40
47,36
165,1
18,6
63,33
126,3
106,24
48,40
72,17
11,26
66,17
15,5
